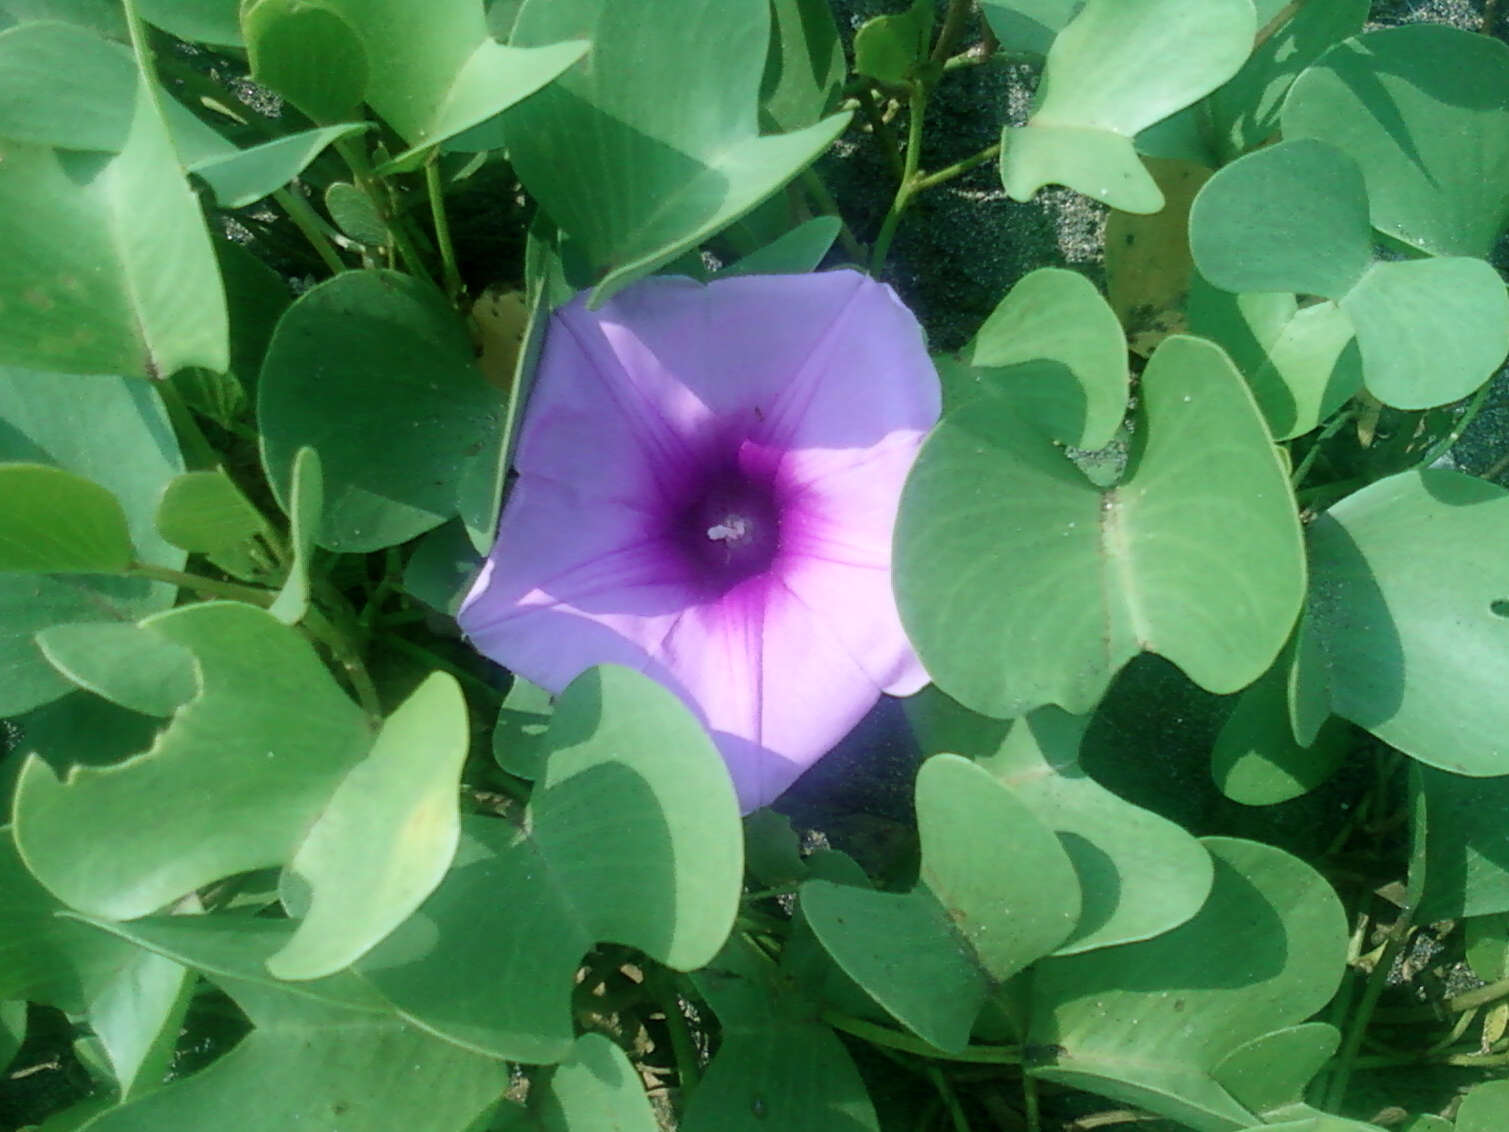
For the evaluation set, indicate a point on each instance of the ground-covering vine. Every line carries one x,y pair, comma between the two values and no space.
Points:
535,592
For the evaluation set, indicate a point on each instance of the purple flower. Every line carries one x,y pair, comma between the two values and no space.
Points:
708,481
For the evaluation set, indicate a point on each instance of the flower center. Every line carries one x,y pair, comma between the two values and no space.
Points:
731,529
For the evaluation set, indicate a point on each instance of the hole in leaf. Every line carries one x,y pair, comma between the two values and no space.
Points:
1500,607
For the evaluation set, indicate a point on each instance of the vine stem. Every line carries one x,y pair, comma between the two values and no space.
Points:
1030,1102
201,453
949,172
361,169
308,222
1449,441
917,104
454,288
950,1098
205,587
1346,1059
683,1049
1336,425
895,1039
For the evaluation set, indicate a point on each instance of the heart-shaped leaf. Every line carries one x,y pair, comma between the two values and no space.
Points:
1147,1023
594,1087
652,168
889,48
311,54
996,892
134,667
1115,69
374,371
205,512
1028,25
1483,1107
805,67
1165,561
1294,217
1408,579
1139,874
269,735
115,433
1419,109
406,788
632,835
1056,349
1269,1073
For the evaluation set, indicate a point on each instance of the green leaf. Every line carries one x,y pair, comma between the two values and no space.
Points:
1244,113
798,251
115,433
54,522
310,53
521,739
206,513
257,297
594,1087
134,289
1293,217
1483,1107
1301,363
1270,1072
1167,561
632,835
1056,349
214,22
1028,25
125,664
1487,946
996,892
239,177
1139,874
373,370
305,511
355,215
1465,865
777,1066
1418,108
1257,760
435,70
308,1063
75,67
137,1015
1407,614
44,957
890,48
442,568
804,68
269,736
1147,1023
1115,69
385,839
666,148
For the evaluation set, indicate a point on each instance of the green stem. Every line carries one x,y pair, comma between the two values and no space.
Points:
949,172
344,651
1346,1059
204,587
1030,1102
768,893
201,454
308,222
1448,442
881,128
895,1039
683,1048
950,1098
904,191
454,288
948,35
1336,424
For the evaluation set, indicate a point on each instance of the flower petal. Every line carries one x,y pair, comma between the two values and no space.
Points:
776,688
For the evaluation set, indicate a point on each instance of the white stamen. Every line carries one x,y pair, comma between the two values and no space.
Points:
732,529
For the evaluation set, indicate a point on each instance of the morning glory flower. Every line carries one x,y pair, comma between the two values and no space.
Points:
708,482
